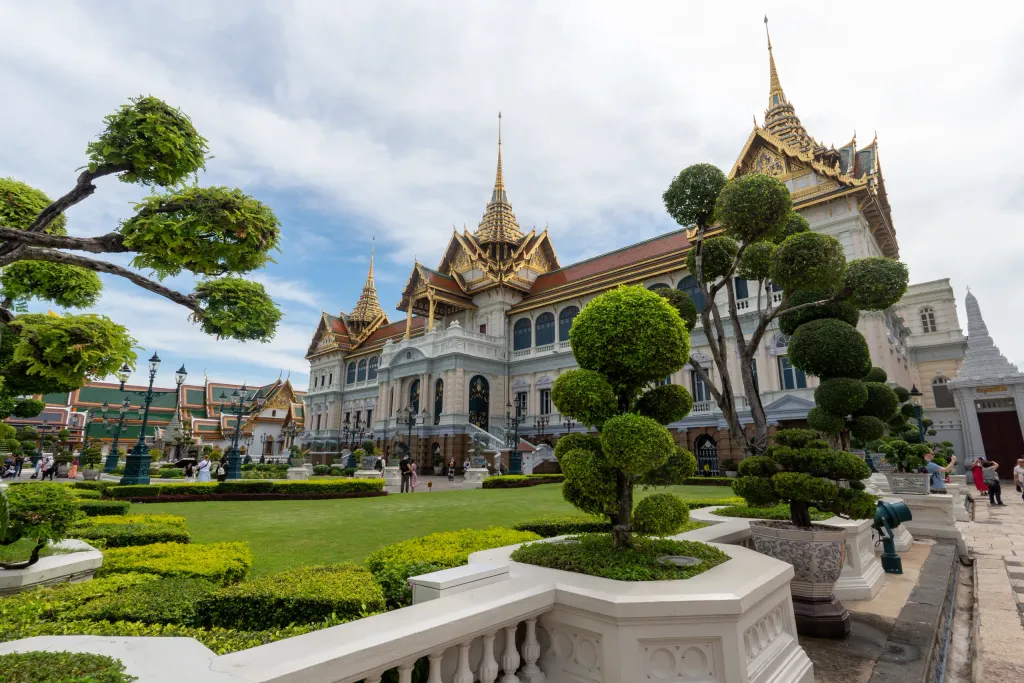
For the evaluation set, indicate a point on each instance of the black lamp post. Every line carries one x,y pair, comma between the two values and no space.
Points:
115,427
410,422
568,424
238,404
915,396
136,469
249,438
290,432
541,423
513,420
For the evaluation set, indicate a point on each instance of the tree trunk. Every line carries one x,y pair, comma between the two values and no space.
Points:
800,514
33,558
621,531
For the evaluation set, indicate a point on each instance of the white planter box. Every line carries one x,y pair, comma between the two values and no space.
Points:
907,482
298,473
73,567
475,476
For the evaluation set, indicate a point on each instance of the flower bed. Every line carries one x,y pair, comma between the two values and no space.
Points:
61,667
779,512
222,563
515,481
250,489
595,555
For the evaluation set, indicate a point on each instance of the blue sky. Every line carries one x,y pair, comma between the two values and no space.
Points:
356,119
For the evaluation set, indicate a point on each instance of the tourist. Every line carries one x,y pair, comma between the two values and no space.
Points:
8,468
451,469
978,476
222,468
19,462
49,468
937,482
189,470
412,476
379,465
1018,476
403,466
204,469
990,472
39,469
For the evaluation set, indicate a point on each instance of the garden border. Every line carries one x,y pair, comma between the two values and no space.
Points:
251,496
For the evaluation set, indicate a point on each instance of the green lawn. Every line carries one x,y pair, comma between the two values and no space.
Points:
289,533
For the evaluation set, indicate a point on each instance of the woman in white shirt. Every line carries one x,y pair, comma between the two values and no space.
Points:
1018,476
204,469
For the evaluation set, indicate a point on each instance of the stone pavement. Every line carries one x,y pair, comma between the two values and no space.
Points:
995,540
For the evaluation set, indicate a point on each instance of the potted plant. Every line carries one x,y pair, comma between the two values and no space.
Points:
63,458
90,459
907,459
729,467
41,512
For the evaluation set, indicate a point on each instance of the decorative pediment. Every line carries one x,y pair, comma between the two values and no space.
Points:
521,384
331,334
544,381
790,405
702,358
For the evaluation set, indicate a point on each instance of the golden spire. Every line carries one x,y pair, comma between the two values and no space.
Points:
368,307
775,94
780,118
499,223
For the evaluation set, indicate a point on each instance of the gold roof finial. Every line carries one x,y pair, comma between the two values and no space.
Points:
499,223
368,307
775,94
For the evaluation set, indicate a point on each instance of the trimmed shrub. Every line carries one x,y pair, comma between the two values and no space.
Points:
708,481
40,512
661,514
123,535
61,667
85,494
329,486
172,473
778,512
867,428
753,207
876,282
840,395
829,348
93,508
549,527
824,421
665,404
585,394
716,258
171,520
678,469
298,596
809,260
167,601
882,401
235,486
321,469
134,491
392,565
196,489
515,481
222,563
334,471
876,374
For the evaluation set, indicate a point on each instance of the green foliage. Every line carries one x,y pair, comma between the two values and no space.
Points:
904,456
840,396
91,456
795,224
843,310
829,348
585,395
61,667
596,555
665,404
204,230
808,260
172,473
876,283
133,491
824,421
589,481
155,144
517,481
101,520
20,204
116,535
549,527
7,431
683,304
778,512
660,514
690,198
635,445
321,469
173,600
248,486
29,407
303,595
882,402
632,336
393,564
68,350
222,563
902,395
234,308
876,374
867,428
368,447
39,511
753,207
66,285
756,262
717,256
680,466
86,494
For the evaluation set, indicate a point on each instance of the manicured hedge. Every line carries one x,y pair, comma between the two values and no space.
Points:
549,527
85,494
708,481
92,508
61,667
254,487
779,512
297,596
694,504
172,473
91,485
173,520
243,486
133,491
222,563
515,481
164,601
124,535
392,565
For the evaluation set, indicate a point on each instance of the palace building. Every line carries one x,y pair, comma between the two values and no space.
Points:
486,331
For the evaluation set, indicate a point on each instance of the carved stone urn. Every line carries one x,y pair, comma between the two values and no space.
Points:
817,556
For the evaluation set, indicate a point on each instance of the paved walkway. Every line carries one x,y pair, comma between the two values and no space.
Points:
995,540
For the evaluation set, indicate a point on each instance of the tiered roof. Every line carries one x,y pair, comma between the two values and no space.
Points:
499,224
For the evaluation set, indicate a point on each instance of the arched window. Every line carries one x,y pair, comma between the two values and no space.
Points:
565,318
658,285
438,400
391,402
361,372
374,362
350,377
414,396
545,332
707,455
943,396
688,286
928,319
521,334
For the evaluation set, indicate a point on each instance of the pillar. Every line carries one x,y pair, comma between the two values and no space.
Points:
430,320
408,320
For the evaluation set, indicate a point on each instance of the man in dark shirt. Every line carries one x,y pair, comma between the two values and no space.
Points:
403,466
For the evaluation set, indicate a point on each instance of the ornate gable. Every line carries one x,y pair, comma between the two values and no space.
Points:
332,334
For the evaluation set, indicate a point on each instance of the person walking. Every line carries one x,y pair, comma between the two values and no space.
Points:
451,469
379,465
412,476
978,475
990,470
222,468
49,468
403,467
38,474
189,471
937,481
204,469
19,462
1018,476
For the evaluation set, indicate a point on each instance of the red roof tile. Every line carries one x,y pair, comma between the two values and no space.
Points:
394,329
445,282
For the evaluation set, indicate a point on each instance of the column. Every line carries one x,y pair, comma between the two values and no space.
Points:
408,320
430,320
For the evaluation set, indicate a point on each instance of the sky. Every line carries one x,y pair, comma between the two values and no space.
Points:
362,120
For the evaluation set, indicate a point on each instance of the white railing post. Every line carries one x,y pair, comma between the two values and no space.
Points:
510,657
488,670
373,678
531,653
463,674
405,672
435,667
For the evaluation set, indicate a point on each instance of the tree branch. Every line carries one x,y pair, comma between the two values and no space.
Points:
82,189
36,254
699,369
110,243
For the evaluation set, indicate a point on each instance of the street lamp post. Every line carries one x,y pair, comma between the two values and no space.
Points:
290,432
410,422
238,405
513,420
136,470
249,438
541,423
568,424
115,427
915,396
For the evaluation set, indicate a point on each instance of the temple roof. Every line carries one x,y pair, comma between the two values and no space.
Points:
368,308
498,224
983,360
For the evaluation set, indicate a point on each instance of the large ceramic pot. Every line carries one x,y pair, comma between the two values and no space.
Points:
91,475
817,556
908,482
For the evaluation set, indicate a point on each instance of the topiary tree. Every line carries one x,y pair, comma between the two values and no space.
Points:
91,457
41,512
660,514
217,233
802,470
746,227
625,341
